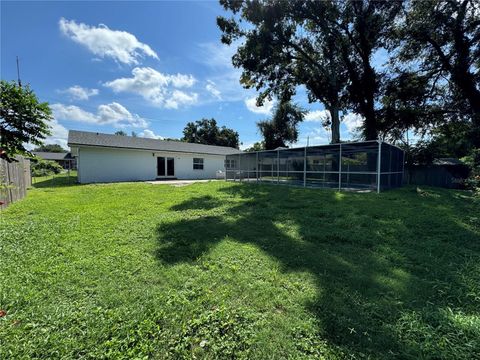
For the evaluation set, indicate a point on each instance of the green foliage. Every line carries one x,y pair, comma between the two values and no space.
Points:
448,140
217,333
258,146
408,103
42,167
206,131
430,77
50,148
439,40
282,129
121,133
324,45
23,120
473,162
224,270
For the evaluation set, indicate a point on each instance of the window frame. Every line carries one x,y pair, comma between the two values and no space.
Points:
198,163
230,163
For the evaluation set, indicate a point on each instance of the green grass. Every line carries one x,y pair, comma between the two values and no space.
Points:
228,270
56,180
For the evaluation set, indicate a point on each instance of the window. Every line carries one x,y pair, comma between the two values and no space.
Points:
230,164
197,164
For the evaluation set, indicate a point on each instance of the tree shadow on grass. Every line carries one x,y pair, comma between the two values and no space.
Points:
384,265
58,181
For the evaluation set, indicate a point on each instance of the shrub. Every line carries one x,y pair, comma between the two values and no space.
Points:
473,162
45,167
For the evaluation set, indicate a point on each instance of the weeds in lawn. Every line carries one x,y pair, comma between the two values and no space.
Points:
223,270
377,265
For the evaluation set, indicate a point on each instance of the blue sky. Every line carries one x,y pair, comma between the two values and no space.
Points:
148,67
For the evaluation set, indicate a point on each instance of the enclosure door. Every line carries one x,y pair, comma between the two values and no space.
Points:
165,166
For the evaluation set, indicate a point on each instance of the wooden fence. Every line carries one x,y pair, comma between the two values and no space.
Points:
446,176
15,178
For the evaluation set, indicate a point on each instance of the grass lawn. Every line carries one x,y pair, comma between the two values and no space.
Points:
224,270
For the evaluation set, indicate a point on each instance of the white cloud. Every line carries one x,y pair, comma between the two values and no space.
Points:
216,54
247,145
59,134
352,122
72,112
212,89
113,114
156,87
79,93
104,42
182,80
150,135
266,108
180,98
217,58
318,116
317,136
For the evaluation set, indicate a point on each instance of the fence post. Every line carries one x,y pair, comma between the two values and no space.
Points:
225,168
305,167
240,167
379,165
340,168
403,167
278,166
257,167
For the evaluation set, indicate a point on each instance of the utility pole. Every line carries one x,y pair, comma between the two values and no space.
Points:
18,73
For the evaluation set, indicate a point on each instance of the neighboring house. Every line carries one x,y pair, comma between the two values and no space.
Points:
65,160
113,158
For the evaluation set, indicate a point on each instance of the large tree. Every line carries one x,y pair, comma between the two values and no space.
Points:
327,46
285,47
282,129
23,120
440,40
257,146
364,26
206,131
409,102
50,148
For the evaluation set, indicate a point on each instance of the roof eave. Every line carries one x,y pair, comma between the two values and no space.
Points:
149,149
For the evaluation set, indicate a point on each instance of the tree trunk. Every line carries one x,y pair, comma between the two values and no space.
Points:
462,75
335,116
370,124
466,84
370,85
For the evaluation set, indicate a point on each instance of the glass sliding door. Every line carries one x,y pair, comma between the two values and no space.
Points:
170,167
160,166
165,166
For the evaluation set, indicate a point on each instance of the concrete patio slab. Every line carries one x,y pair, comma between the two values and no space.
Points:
177,183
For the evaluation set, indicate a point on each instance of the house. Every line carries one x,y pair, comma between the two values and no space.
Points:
64,159
113,158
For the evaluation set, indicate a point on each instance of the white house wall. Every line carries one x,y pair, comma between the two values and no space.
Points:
113,165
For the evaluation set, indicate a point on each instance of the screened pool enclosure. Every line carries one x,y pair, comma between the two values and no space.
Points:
369,165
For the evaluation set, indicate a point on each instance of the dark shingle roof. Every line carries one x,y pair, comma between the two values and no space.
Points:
76,138
447,161
52,155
